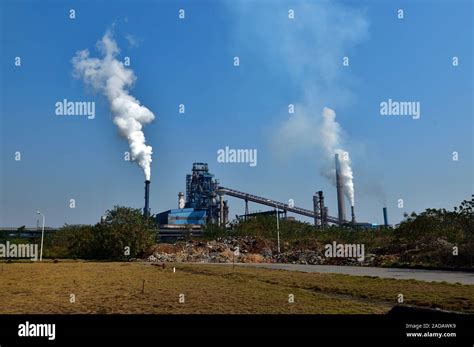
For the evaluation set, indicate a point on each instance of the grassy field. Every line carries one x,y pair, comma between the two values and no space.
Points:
117,288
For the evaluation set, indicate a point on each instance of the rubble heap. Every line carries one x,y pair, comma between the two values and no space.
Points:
245,250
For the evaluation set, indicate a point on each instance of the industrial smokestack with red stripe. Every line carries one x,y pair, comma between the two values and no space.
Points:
146,209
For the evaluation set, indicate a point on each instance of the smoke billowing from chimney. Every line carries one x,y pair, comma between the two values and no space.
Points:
110,77
330,132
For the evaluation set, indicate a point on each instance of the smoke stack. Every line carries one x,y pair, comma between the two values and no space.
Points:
385,218
226,212
146,209
353,217
221,214
340,192
316,211
322,209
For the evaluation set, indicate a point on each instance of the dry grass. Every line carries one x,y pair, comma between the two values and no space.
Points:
454,297
116,288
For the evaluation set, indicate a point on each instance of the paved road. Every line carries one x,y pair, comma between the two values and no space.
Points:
421,275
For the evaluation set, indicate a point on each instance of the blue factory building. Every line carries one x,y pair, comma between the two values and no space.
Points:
184,216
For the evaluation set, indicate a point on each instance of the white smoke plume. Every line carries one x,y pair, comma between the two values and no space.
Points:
330,134
109,76
306,53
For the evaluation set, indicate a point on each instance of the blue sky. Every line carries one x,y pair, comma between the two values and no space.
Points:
281,62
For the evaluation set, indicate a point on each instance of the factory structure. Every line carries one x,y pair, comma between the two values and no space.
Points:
204,203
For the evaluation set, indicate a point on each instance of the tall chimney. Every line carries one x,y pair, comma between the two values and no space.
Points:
353,217
340,192
316,212
146,209
226,212
221,214
322,209
385,218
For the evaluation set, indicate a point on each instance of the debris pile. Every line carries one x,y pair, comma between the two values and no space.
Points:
245,249
222,250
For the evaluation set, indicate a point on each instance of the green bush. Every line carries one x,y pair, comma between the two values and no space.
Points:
427,238
123,227
212,232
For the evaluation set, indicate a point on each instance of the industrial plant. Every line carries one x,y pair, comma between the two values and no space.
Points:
204,204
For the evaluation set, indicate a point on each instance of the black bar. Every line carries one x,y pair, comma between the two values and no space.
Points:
369,328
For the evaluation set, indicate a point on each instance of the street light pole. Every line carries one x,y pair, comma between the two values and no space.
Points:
42,236
278,225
